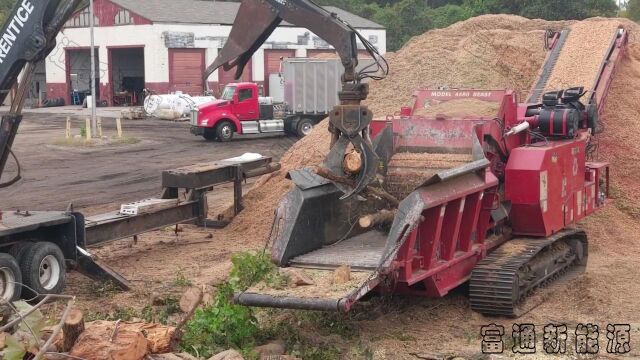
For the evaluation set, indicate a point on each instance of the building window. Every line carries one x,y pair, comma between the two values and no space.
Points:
373,39
82,20
123,17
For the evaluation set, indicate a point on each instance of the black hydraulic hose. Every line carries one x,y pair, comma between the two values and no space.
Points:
17,177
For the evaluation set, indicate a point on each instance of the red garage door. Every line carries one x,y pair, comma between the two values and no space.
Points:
272,63
186,67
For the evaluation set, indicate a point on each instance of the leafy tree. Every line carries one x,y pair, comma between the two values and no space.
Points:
606,8
479,7
404,20
554,10
633,10
444,16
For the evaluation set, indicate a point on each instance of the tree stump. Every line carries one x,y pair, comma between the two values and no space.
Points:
72,328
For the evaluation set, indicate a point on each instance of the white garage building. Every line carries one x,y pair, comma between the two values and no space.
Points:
165,45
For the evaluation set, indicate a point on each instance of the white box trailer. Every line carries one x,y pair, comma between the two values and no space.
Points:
311,86
303,94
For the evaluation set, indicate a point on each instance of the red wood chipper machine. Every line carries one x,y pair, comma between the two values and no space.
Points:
471,186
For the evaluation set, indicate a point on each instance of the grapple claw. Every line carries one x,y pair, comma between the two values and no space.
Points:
369,166
351,123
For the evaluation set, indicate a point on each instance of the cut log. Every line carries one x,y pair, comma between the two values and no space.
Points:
342,275
96,343
380,218
159,337
352,162
325,173
71,329
297,277
131,341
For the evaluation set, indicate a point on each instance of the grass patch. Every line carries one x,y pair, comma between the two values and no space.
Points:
119,313
150,314
223,324
82,142
161,313
100,289
182,279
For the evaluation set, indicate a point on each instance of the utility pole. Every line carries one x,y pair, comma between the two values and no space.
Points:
94,123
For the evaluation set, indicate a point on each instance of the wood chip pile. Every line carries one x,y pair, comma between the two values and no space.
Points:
486,52
582,54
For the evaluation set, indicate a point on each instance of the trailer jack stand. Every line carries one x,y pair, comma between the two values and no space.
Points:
98,271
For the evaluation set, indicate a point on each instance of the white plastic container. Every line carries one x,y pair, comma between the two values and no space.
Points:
173,106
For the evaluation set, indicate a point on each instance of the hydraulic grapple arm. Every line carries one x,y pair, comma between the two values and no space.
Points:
28,36
349,121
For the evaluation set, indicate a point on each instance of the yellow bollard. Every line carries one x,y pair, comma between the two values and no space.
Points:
119,127
88,128
67,130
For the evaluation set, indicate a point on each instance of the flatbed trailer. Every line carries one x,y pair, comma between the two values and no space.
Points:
54,241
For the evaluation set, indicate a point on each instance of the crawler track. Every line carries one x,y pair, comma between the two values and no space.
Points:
516,277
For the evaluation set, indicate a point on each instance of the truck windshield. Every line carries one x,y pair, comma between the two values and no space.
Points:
227,93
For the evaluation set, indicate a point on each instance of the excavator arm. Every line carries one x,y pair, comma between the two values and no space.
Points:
27,37
349,121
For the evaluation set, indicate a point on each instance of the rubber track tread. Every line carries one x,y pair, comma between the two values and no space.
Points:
492,288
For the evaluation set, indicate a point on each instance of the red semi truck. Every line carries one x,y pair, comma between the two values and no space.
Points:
307,92
241,110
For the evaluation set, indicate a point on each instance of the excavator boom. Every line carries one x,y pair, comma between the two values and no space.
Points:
256,20
349,121
27,37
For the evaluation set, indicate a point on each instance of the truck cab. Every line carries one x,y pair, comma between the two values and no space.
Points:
240,109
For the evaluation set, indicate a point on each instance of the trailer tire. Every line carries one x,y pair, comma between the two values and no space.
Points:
224,131
43,269
10,278
304,127
18,250
209,134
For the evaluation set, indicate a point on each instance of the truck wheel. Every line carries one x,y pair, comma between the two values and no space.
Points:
43,269
304,127
17,250
224,131
10,278
209,134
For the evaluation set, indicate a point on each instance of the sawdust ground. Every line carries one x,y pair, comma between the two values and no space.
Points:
323,286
